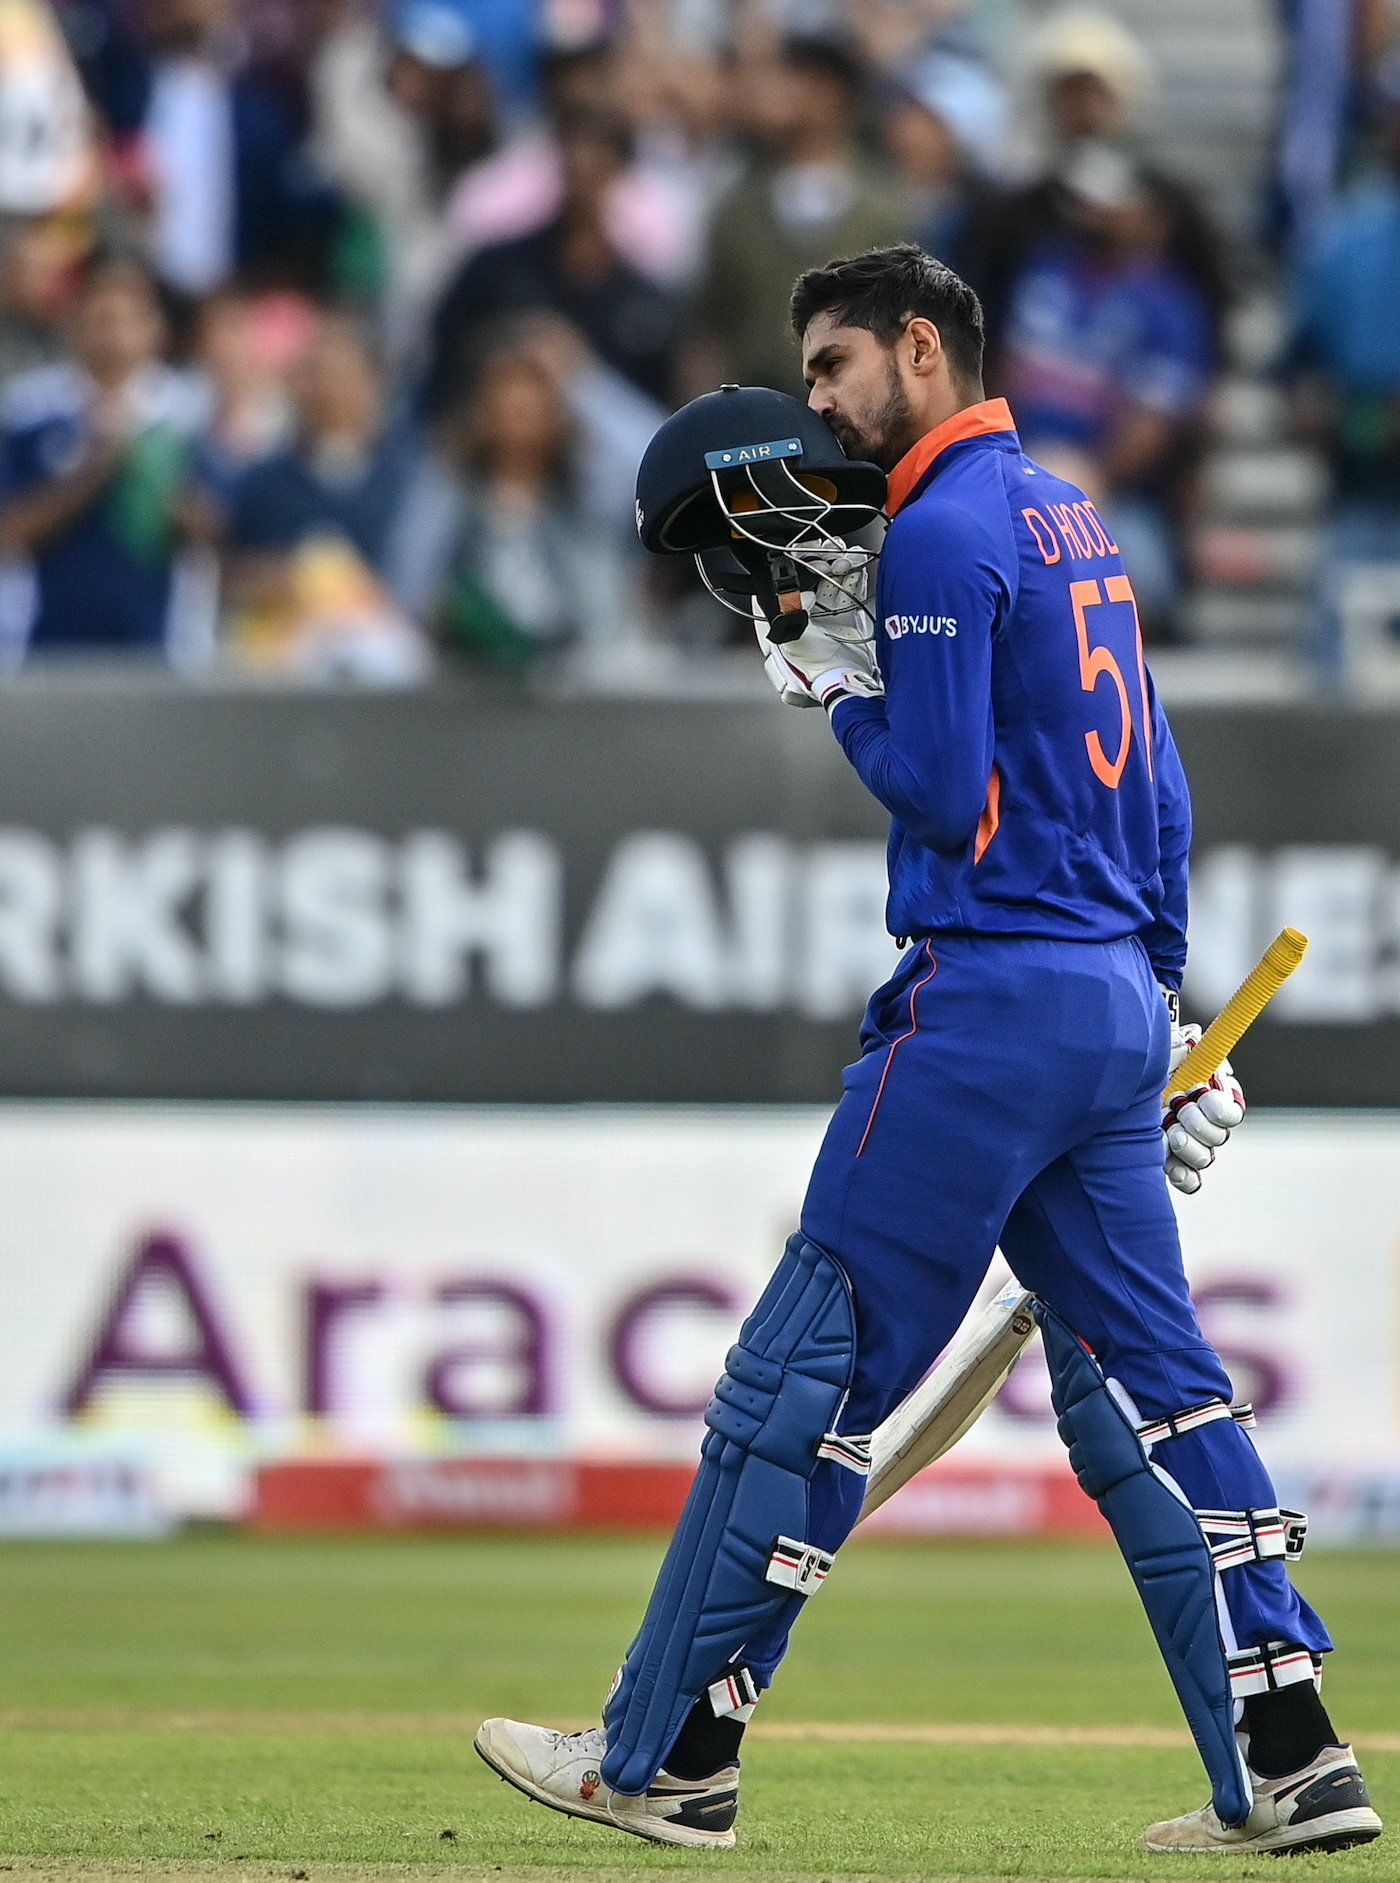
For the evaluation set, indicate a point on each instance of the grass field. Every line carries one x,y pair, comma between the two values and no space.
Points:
226,1707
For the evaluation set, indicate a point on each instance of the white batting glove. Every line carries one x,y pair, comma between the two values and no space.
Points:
835,655
1197,1122
805,674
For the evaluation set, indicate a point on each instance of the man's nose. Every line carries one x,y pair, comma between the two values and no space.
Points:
820,401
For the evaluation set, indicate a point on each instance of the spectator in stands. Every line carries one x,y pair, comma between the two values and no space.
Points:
508,33
244,349
95,462
401,120
1093,79
35,269
944,129
1346,374
675,98
491,566
571,267
309,527
1327,48
517,539
210,154
654,209
810,194
1108,361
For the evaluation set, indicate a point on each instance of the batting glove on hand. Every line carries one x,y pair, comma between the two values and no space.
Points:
1197,1122
834,657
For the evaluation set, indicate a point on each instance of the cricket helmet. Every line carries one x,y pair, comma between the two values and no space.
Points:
754,485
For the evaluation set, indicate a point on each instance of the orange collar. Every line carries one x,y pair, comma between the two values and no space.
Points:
975,421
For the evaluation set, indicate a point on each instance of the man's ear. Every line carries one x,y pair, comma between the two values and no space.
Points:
924,343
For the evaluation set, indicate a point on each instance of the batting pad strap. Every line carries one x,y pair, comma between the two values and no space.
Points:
798,1566
1154,1431
735,1696
1253,1536
840,1448
1276,1664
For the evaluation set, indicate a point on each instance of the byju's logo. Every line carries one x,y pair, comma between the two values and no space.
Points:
897,626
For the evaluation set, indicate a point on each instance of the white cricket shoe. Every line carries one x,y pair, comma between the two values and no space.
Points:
1326,1806
561,1770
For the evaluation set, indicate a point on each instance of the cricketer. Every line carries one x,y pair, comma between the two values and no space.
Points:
983,673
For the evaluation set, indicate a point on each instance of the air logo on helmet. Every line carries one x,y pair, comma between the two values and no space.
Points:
738,455
745,475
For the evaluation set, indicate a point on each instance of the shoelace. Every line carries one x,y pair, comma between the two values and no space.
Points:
591,1744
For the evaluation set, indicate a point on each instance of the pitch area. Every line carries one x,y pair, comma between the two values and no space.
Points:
229,1707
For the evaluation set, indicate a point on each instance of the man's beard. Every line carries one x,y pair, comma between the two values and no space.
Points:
884,436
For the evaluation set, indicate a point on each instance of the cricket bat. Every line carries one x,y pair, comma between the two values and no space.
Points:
1240,1011
976,1367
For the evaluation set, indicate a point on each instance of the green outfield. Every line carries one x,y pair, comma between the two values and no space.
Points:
228,1707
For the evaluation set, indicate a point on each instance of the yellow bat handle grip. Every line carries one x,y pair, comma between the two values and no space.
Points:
1240,1012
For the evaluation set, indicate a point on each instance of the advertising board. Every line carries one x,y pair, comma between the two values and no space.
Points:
417,898
228,1287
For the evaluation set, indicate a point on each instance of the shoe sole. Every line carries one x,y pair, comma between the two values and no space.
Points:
1344,1830
690,1840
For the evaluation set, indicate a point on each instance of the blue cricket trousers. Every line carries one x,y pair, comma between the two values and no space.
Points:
1009,1091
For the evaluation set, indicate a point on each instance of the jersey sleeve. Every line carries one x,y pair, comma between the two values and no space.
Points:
925,750
1166,939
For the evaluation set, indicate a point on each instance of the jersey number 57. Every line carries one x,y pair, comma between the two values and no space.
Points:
1096,662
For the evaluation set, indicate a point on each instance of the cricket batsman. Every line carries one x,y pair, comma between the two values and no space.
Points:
1008,1088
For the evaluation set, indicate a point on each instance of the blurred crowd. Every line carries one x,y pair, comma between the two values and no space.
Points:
331,331
1339,221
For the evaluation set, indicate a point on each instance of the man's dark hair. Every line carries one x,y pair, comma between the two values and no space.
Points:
884,289
827,55
592,122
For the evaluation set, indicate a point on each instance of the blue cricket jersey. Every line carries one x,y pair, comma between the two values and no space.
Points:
1020,748
99,582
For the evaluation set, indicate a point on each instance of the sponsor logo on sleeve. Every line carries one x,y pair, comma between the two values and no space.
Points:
897,626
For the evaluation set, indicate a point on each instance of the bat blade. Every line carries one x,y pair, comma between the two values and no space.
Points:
953,1397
